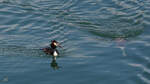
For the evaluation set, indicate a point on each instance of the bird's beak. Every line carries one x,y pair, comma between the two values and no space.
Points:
58,44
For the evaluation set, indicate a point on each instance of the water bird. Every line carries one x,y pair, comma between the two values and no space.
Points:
52,49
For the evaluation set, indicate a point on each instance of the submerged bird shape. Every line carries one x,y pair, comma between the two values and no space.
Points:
52,49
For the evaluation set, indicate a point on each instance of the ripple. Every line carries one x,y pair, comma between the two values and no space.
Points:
122,19
29,23
146,12
97,26
139,60
143,78
81,27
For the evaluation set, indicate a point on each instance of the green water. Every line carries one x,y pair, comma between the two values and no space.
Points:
104,41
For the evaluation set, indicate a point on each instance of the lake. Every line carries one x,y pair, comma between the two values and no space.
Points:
104,41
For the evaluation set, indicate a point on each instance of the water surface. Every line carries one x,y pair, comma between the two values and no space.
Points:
104,41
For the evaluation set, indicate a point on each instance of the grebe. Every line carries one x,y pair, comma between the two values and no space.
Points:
52,49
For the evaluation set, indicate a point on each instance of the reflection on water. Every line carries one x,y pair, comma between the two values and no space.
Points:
54,64
120,43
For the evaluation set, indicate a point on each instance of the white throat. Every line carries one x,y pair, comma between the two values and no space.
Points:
55,53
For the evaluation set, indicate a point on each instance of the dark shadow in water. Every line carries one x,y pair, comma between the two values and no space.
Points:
54,64
111,29
114,35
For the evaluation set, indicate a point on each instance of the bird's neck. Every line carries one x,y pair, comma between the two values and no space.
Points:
53,46
55,53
